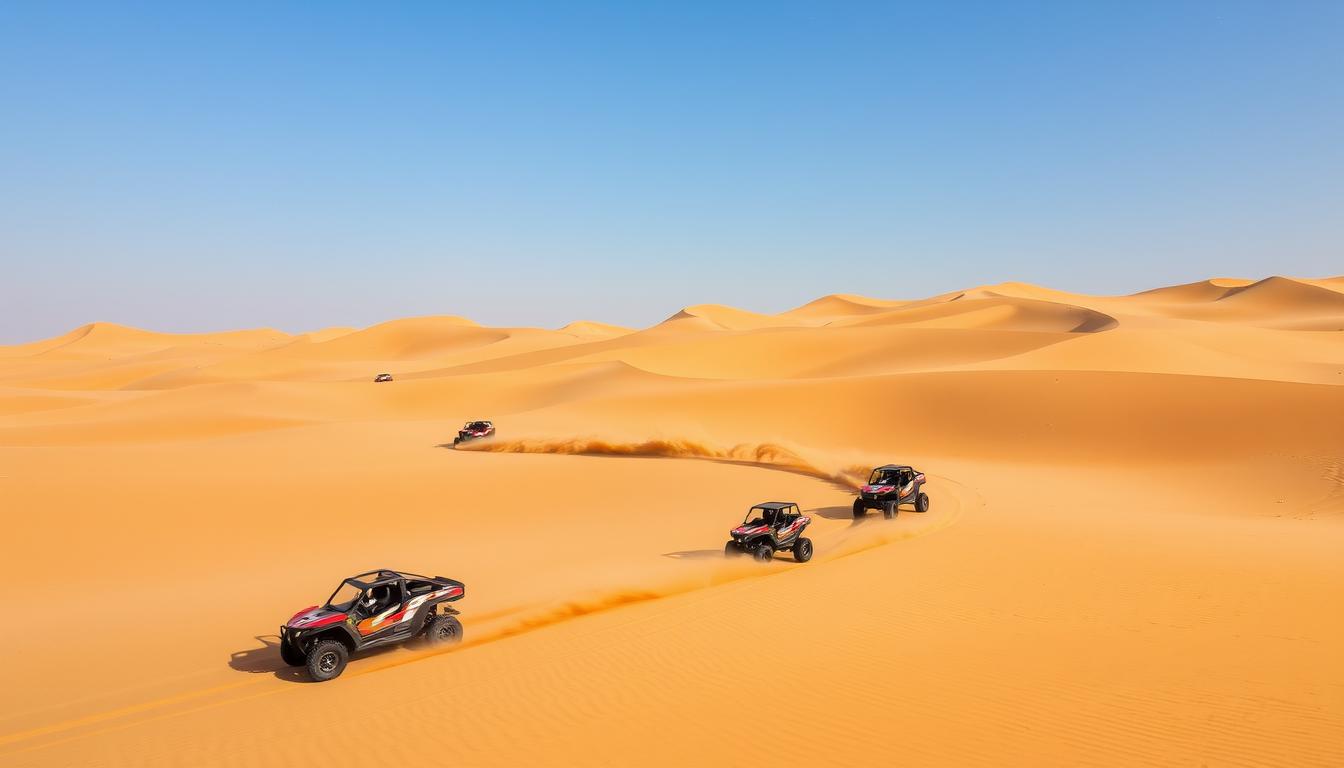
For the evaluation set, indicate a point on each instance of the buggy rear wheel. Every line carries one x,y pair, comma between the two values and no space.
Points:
763,553
327,659
922,503
802,550
444,630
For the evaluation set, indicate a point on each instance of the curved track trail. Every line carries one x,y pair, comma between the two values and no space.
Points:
834,538
771,455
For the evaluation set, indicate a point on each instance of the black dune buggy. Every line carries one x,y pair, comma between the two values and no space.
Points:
371,610
474,430
382,377
769,528
889,487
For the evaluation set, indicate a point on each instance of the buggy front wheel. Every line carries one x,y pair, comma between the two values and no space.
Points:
326,659
763,553
888,509
859,509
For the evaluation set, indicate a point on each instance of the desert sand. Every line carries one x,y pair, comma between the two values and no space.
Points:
1133,555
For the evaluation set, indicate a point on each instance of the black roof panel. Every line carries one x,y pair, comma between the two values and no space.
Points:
775,505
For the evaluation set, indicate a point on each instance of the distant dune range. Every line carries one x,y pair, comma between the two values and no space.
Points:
1132,556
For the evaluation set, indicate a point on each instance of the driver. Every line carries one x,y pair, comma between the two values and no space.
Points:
908,480
377,599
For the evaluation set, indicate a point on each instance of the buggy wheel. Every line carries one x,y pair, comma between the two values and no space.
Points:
888,509
763,553
291,655
802,550
443,630
922,503
731,549
326,660
859,509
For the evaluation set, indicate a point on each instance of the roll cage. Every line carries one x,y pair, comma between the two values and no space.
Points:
771,513
891,474
400,586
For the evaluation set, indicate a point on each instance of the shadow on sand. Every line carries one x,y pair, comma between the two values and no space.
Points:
696,554
847,513
266,659
836,513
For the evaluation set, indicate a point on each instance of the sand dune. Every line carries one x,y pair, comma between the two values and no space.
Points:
1199,291
715,317
1333,283
110,339
1000,313
840,306
412,337
590,329
1275,302
1132,555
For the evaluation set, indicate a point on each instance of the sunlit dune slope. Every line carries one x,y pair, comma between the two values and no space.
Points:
1131,555
839,307
714,317
1275,302
108,340
591,329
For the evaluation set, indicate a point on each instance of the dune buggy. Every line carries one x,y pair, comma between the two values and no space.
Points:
382,377
474,430
769,528
371,610
889,487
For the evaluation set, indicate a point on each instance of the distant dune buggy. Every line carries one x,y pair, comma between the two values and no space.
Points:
889,487
382,377
371,610
474,430
769,528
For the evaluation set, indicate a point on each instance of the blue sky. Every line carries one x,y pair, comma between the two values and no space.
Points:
312,164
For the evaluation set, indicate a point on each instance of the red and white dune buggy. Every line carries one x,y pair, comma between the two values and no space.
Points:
474,430
370,610
889,487
769,528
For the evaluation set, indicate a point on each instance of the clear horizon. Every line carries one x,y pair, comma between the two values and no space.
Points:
661,318
188,169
